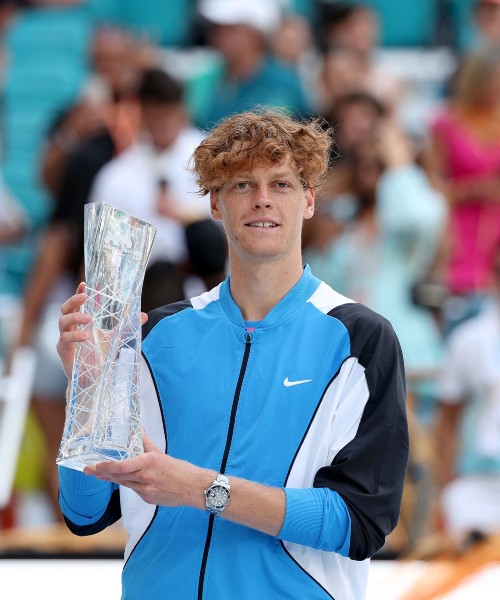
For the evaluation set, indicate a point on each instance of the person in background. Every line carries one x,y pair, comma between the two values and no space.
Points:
275,406
356,118
354,30
294,44
151,180
487,21
340,76
467,429
83,138
239,30
463,161
13,217
117,62
58,267
391,222
374,235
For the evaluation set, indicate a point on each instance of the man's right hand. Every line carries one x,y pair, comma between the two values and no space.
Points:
69,334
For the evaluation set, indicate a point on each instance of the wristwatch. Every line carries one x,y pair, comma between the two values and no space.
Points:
217,495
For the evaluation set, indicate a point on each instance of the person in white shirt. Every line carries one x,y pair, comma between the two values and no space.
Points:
468,423
152,181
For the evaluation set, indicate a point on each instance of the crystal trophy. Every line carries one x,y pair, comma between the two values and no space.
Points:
102,412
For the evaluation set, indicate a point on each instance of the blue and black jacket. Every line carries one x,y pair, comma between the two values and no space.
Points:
310,399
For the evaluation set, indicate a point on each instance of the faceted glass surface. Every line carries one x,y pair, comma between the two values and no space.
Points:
102,414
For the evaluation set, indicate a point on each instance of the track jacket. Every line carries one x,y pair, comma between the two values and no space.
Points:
310,399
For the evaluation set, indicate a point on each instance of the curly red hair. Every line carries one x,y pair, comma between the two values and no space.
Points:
262,138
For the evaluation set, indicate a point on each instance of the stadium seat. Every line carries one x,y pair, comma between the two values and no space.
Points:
167,24
462,20
48,62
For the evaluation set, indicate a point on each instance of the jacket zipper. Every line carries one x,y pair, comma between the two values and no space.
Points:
225,456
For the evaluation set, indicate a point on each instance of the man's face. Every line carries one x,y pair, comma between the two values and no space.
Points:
341,74
262,211
359,32
234,40
358,123
163,123
113,58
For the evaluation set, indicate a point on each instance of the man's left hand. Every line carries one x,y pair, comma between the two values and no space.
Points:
157,477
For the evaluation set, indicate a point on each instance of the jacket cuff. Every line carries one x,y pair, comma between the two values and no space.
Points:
316,517
83,498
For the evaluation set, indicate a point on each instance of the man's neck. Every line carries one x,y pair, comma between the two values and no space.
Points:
258,287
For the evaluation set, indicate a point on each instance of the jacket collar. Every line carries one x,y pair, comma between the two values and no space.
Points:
294,299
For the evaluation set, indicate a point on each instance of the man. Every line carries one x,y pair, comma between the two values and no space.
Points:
274,408
349,34
151,181
468,423
239,31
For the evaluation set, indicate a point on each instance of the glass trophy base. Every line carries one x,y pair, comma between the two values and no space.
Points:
85,455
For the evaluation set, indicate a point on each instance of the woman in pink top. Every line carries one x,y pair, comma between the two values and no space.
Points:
464,162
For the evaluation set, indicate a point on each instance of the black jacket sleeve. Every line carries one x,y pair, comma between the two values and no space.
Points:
369,471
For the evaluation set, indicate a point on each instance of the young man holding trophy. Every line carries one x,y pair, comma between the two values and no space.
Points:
275,441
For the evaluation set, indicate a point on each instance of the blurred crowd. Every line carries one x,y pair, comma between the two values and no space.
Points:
106,101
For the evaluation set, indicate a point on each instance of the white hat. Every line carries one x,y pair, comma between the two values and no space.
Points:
263,15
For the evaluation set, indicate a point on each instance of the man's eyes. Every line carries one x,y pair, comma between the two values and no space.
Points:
244,185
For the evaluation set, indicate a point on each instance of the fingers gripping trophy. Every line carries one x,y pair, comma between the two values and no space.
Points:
102,412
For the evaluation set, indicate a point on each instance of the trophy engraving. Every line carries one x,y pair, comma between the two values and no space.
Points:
102,412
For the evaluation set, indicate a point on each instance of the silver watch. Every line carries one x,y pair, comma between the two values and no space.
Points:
217,495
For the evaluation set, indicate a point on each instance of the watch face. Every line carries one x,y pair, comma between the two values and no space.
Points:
217,496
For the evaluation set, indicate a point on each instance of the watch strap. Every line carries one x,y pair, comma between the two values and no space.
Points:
222,481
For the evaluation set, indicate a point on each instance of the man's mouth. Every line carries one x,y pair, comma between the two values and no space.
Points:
262,224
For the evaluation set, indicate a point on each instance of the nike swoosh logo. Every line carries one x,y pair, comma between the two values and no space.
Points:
287,383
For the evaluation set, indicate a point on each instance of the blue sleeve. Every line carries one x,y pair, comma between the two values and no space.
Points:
83,499
407,202
413,214
317,517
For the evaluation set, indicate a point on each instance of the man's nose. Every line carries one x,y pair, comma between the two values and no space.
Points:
262,199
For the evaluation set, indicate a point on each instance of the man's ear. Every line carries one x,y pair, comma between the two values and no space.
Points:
310,195
214,205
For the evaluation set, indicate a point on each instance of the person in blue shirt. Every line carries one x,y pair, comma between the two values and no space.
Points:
274,407
238,31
